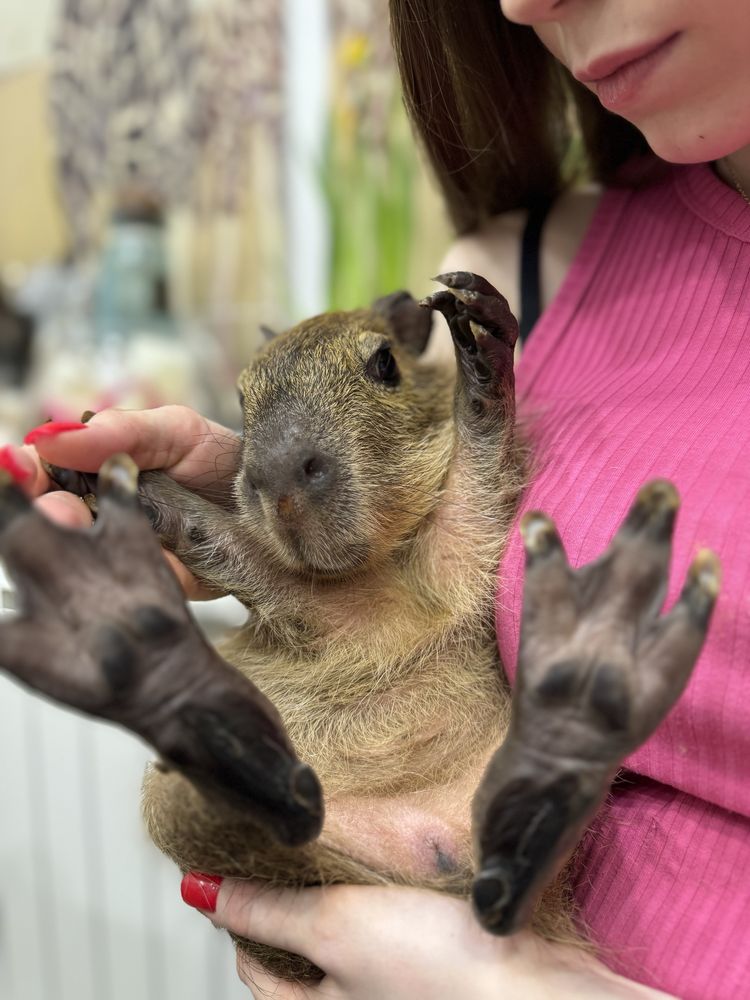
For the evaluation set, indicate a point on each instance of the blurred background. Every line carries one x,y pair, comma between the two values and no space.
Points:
173,174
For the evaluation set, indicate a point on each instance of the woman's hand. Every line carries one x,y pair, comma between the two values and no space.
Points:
196,452
397,943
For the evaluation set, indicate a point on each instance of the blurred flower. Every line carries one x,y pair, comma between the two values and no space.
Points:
352,51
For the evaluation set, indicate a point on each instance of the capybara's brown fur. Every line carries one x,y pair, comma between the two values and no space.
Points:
370,593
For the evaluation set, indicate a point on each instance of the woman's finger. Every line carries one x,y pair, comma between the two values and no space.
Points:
173,438
290,919
65,509
24,465
203,446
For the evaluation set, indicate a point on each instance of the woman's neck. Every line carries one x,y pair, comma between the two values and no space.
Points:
734,170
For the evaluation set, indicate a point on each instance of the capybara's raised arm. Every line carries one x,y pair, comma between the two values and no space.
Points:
484,333
598,670
103,627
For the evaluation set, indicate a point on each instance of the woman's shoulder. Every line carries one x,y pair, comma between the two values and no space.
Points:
494,251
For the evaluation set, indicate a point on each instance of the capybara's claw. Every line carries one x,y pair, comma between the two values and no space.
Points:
483,305
598,670
457,318
484,332
118,480
83,484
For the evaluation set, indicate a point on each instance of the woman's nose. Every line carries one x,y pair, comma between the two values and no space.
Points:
531,11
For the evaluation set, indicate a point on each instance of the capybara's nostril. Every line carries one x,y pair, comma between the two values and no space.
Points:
297,469
316,469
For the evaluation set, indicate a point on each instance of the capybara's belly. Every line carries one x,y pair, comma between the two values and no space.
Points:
419,834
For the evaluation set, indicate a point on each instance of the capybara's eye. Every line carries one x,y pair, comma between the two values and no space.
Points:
382,367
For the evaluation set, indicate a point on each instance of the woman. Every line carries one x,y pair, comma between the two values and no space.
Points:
638,367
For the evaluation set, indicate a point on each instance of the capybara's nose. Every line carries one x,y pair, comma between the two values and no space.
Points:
299,469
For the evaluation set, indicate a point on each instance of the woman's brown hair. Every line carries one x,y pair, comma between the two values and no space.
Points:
495,111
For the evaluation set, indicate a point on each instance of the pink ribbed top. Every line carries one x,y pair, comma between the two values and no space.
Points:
641,368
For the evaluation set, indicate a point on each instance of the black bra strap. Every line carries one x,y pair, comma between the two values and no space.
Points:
531,296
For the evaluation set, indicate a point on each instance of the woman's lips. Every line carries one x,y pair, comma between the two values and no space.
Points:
617,78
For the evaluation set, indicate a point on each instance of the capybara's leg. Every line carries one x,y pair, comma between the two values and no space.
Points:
598,669
103,627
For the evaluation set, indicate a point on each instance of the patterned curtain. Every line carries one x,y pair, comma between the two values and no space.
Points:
125,105
161,100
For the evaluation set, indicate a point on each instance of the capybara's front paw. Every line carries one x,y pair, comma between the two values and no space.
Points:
484,333
474,304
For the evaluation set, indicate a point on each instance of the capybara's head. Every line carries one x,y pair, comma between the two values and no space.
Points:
345,438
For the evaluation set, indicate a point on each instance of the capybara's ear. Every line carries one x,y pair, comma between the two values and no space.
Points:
410,322
268,333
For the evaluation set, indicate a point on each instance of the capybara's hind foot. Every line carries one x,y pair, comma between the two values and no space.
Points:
598,670
103,627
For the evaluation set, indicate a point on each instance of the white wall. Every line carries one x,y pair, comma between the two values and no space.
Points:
306,86
24,32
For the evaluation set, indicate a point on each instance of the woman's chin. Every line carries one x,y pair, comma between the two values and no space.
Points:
690,141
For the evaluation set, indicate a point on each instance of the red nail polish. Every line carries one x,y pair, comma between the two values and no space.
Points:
51,429
201,891
10,463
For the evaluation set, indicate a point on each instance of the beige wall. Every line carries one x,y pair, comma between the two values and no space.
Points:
31,225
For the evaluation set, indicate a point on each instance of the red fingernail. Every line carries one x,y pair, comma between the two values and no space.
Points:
201,891
52,428
10,463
